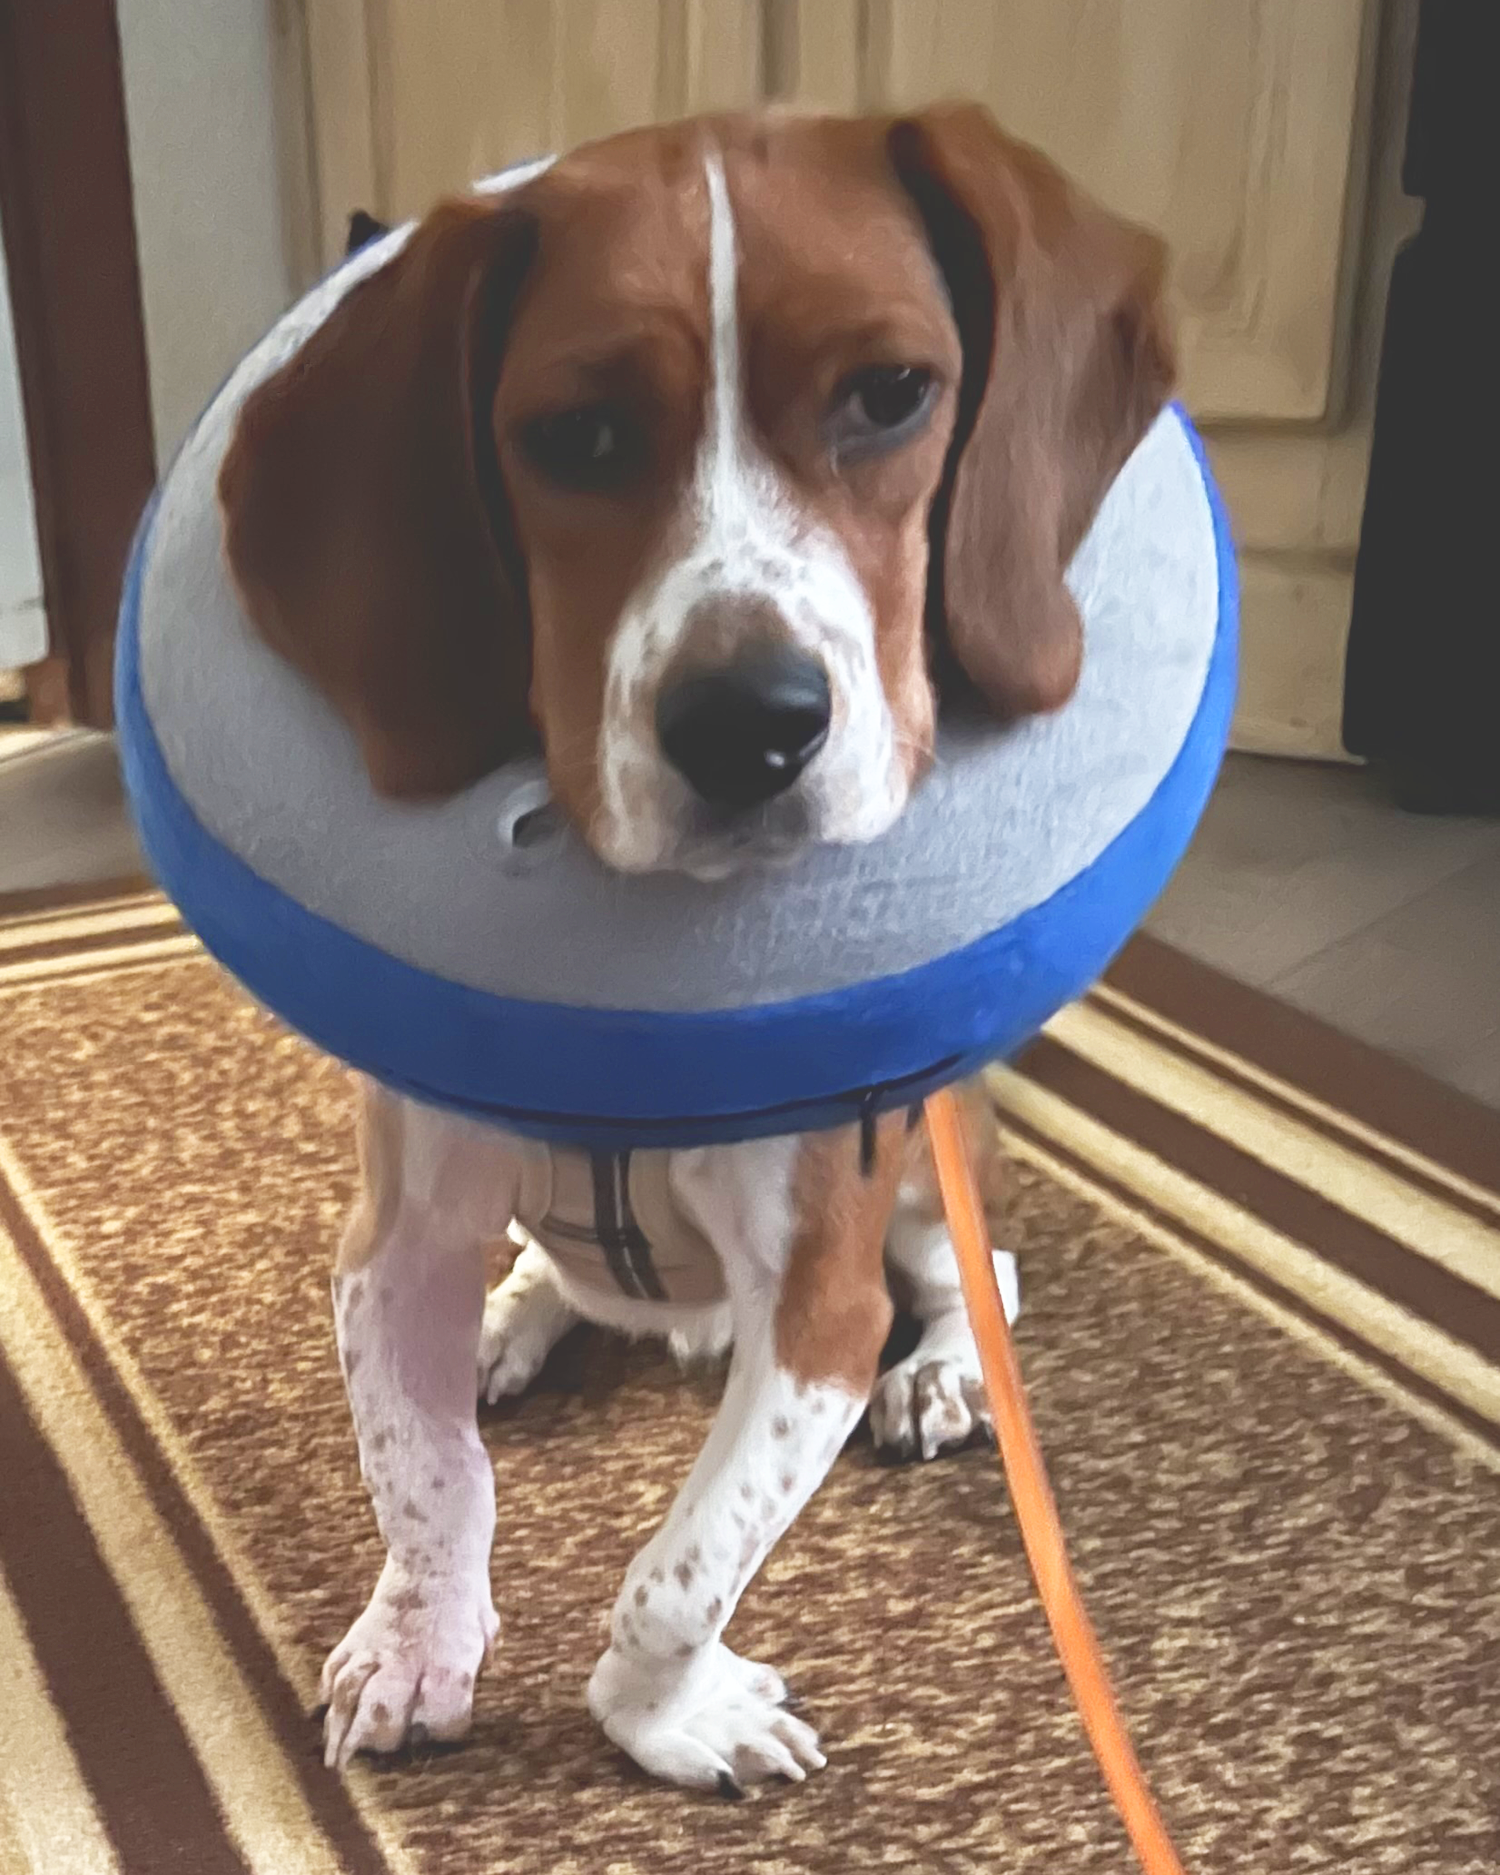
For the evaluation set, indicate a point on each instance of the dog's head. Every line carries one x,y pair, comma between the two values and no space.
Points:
694,461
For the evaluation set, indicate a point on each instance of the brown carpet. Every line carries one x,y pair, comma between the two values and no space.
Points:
1261,1271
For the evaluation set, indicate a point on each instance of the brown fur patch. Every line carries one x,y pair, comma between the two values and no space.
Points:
835,1309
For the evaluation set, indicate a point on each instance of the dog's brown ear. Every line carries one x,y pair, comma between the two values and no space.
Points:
1067,359
365,521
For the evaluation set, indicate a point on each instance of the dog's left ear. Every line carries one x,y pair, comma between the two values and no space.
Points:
1067,360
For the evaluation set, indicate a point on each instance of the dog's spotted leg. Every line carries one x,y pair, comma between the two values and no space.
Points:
799,1225
408,1298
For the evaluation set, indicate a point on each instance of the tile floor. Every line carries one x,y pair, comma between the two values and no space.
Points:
1306,881
63,818
1303,881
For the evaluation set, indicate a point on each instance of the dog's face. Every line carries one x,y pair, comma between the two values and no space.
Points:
721,424
686,458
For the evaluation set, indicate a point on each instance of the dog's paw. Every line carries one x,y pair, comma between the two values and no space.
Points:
762,1682
921,1409
524,1319
512,1352
719,1726
934,1401
405,1672
703,1344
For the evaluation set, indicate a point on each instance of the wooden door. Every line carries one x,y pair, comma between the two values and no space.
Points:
69,245
1241,128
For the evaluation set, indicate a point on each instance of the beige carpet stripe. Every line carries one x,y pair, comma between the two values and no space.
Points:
48,1822
1459,1243
18,742
1109,997
25,741
254,1784
73,977
298,1672
99,921
15,1857
302,1679
1443,1362
1288,1321
89,964
27,921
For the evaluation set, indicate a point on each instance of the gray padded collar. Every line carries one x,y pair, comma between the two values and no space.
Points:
1002,822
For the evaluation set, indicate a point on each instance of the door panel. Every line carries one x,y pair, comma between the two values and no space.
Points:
1234,127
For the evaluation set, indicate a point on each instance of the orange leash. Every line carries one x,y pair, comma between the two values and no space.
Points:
1036,1509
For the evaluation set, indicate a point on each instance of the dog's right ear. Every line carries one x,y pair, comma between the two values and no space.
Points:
1067,360
365,521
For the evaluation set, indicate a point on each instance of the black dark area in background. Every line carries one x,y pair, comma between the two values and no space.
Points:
363,229
1422,700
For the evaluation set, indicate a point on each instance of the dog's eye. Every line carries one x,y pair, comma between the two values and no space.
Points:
592,449
879,408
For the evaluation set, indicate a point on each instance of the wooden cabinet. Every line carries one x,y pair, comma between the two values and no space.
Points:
1261,136
395,102
1228,126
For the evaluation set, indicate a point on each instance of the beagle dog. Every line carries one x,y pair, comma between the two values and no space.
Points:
707,460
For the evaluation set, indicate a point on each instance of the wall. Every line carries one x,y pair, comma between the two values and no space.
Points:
200,90
200,96
23,631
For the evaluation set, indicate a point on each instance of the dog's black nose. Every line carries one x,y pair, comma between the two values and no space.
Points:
741,733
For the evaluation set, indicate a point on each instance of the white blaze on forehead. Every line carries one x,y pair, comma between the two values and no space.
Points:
739,506
723,414
746,537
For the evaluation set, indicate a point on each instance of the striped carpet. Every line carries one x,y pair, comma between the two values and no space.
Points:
1262,1274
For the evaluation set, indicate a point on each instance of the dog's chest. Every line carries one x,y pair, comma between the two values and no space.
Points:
611,1223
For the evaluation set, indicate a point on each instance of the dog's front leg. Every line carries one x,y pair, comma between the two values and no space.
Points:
799,1226
408,1299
